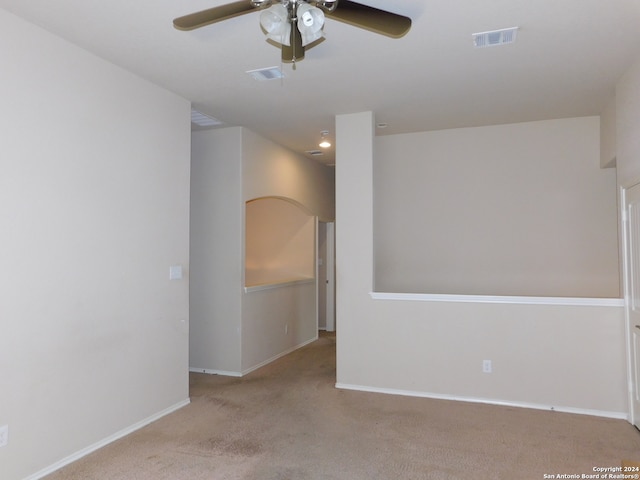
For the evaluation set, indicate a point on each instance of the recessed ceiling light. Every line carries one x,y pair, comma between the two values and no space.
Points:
382,125
324,141
495,37
269,73
315,153
203,120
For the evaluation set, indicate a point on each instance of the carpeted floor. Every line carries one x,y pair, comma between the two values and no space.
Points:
287,421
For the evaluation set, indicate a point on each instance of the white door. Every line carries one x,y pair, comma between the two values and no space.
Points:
326,276
322,275
632,294
330,311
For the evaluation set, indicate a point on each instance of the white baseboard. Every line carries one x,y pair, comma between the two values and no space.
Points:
255,367
209,371
282,354
110,439
535,406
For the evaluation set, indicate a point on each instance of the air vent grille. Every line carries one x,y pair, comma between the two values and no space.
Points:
203,120
264,74
494,38
315,153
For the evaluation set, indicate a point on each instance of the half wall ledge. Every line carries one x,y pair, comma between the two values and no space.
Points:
284,283
430,297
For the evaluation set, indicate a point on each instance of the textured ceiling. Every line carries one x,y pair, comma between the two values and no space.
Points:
567,58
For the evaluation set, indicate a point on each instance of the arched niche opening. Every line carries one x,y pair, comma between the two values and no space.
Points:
279,242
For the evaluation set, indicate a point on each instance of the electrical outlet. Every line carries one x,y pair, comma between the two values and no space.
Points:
486,366
4,435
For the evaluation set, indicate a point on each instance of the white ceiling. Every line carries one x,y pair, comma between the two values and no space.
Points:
567,58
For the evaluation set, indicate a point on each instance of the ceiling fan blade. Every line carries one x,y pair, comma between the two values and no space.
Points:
295,51
213,15
372,19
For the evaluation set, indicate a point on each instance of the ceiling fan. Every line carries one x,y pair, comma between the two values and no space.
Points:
295,24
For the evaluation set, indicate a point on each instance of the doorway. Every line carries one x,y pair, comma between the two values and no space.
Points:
326,276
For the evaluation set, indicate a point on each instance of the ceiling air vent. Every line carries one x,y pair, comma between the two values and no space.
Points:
269,73
203,120
315,153
495,37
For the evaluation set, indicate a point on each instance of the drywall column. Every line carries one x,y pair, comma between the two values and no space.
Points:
354,233
608,135
627,124
217,223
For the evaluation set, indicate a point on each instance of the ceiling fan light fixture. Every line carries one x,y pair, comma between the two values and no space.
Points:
327,5
296,23
260,3
310,23
275,21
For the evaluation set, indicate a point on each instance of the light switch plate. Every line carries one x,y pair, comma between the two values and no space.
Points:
4,435
175,272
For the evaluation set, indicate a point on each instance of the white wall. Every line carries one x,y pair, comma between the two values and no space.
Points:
94,209
277,315
521,209
570,357
276,321
271,170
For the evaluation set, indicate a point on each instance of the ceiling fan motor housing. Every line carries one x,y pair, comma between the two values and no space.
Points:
327,5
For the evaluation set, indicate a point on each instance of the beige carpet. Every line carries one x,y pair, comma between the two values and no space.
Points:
287,421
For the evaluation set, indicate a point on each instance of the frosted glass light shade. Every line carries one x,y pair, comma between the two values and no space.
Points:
310,23
275,21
